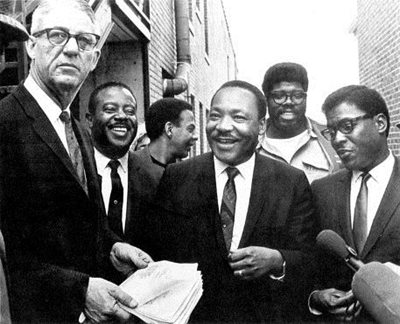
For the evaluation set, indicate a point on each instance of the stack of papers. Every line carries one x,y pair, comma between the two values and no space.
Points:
166,292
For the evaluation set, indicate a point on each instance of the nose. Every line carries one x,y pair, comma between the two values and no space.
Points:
339,138
288,100
195,137
71,46
225,124
120,114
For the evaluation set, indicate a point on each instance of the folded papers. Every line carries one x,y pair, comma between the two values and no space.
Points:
166,292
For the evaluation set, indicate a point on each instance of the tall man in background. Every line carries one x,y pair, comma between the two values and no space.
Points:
361,203
290,136
243,217
171,129
51,210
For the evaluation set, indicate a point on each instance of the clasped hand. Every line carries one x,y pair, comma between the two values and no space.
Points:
340,304
127,258
254,261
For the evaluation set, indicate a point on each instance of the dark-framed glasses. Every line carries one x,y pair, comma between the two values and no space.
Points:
345,126
60,37
280,97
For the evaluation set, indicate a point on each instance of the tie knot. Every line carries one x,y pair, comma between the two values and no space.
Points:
231,172
64,116
365,176
114,164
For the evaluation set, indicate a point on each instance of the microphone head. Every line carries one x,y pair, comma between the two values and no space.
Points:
377,287
332,242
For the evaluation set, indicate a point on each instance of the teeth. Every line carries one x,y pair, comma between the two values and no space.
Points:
119,129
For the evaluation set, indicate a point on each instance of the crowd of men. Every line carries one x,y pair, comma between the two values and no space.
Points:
80,210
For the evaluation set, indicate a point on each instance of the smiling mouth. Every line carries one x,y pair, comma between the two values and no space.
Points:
119,130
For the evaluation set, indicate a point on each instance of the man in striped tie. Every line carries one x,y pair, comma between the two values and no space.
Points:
243,217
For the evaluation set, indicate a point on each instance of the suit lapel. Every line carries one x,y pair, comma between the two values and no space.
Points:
342,194
390,201
258,197
207,189
44,128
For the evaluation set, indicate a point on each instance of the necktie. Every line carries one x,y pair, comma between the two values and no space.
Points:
74,150
228,206
116,198
360,229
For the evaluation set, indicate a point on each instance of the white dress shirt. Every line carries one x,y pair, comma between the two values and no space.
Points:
105,172
376,184
243,183
49,107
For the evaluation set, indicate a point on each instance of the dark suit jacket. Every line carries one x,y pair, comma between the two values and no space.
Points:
55,233
143,179
187,228
332,202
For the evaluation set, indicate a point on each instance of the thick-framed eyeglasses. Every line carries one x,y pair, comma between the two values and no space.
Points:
280,97
60,37
345,126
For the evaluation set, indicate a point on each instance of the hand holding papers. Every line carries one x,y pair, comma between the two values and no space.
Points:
166,292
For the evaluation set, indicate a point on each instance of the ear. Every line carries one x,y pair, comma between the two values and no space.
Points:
95,59
30,47
261,126
89,119
168,129
381,123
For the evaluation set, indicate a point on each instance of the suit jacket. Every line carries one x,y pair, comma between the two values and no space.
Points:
143,179
332,203
186,227
56,234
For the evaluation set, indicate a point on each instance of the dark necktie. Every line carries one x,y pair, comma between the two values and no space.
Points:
360,229
228,206
116,198
74,150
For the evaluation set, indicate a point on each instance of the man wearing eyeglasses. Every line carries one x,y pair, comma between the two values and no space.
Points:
360,203
52,215
290,136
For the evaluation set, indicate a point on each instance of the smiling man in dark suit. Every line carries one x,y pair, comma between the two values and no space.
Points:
243,217
51,209
362,203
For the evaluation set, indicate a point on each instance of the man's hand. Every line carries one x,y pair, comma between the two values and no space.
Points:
342,305
254,261
127,258
104,300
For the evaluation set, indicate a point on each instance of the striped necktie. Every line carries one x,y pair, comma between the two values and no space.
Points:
228,206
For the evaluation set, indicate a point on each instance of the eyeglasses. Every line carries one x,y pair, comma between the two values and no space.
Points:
280,97
345,126
59,37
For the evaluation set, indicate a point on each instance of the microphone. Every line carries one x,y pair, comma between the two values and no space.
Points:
377,287
332,242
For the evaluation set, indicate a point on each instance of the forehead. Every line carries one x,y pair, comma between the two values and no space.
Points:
287,86
69,17
186,117
344,110
237,99
115,94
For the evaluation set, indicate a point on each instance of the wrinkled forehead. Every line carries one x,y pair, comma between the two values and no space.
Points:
63,14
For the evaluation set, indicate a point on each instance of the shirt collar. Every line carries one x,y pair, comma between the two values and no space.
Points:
102,161
380,172
48,105
246,168
263,142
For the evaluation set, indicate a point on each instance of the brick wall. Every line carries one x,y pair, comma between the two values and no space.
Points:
208,71
378,33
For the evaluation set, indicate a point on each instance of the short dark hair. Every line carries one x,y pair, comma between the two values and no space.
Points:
163,111
284,72
261,102
112,84
364,98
